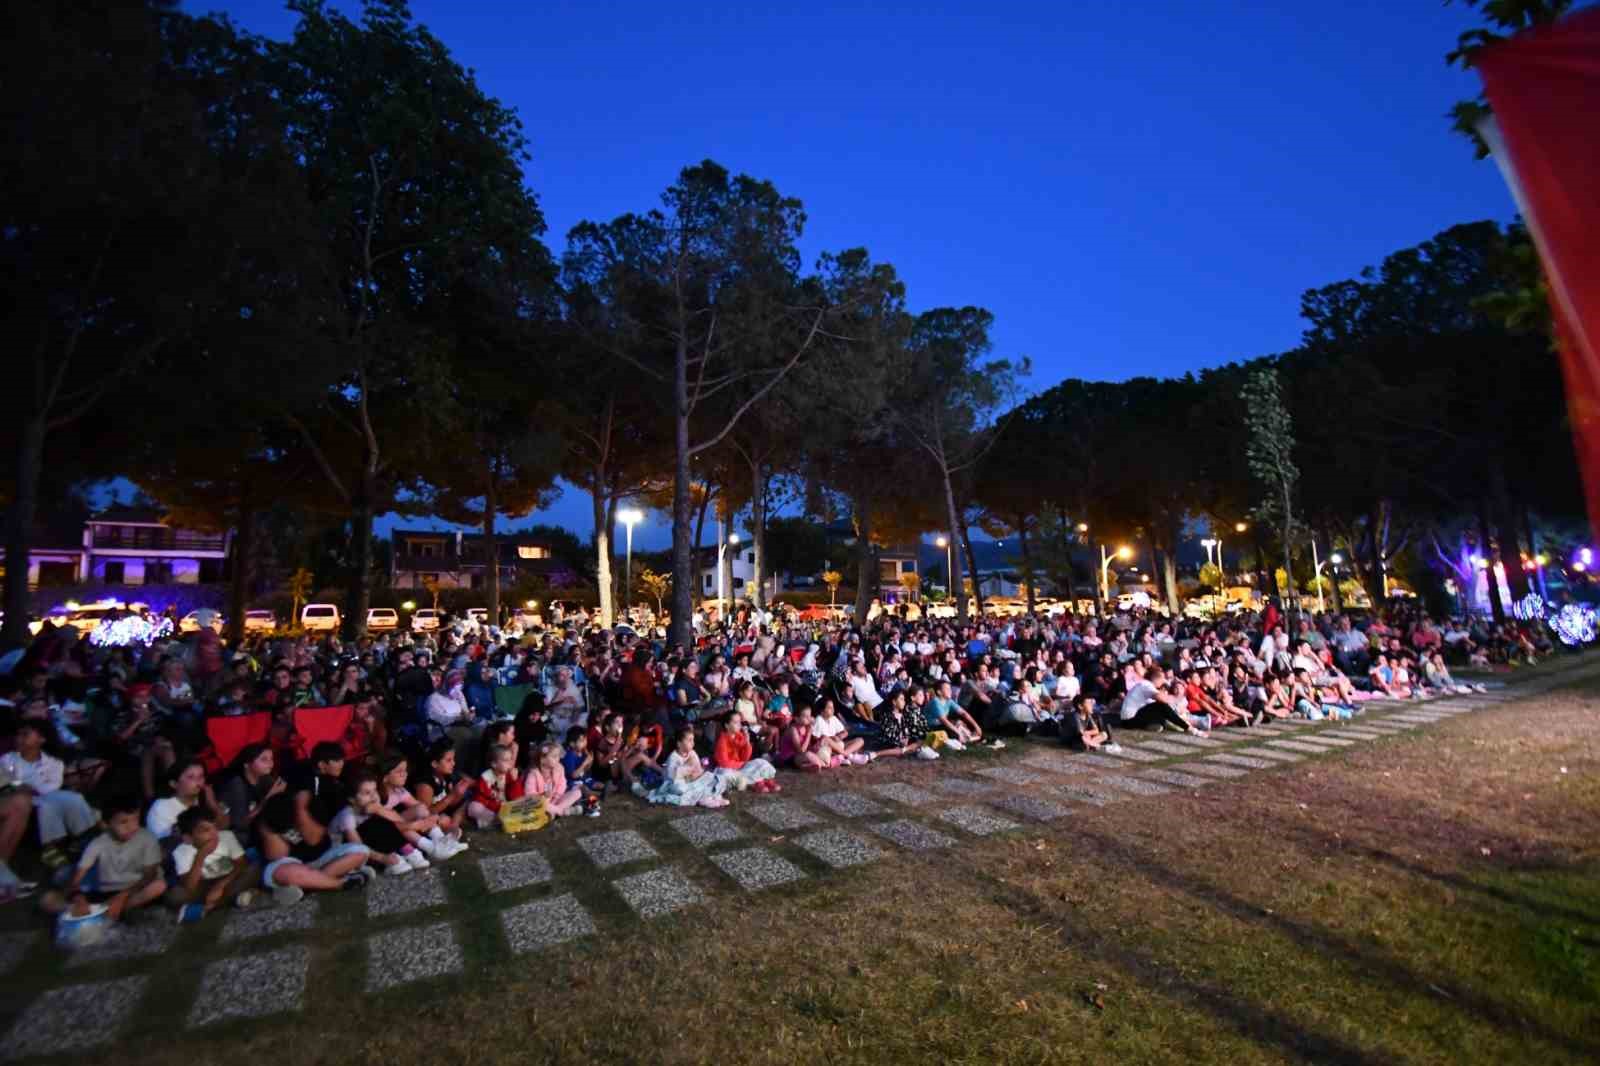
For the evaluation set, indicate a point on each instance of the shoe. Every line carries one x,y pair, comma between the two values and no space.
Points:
955,745
592,812
245,900
190,913
417,860
427,846
1114,748
927,754
287,895
354,883
399,869
998,745
367,873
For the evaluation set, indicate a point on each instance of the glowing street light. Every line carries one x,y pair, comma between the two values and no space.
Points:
409,605
630,517
1123,552
949,565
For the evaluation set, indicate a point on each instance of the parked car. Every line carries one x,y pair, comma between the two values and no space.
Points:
382,618
479,615
191,622
320,618
424,619
260,621
816,612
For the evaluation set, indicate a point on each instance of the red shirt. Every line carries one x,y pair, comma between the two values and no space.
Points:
732,750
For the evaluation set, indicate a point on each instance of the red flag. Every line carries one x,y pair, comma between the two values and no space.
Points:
1544,88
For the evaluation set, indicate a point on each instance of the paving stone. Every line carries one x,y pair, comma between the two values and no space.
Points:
1324,739
1010,775
782,814
657,892
402,956
1095,797
1137,786
1391,728
1272,754
1168,747
14,947
1299,745
1190,741
1293,723
963,786
976,820
1101,762
1138,754
267,920
912,835
249,986
545,922
1057,762
849,804
757,868
901,792
704,830
614,849
397,895
149,934
73,1018
1039,807
1177,777
1233,758
1356,733
1211,769
505,872
839,848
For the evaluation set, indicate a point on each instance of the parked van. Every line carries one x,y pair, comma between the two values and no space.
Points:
382,618
319,618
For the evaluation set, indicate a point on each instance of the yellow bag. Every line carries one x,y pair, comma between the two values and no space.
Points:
936,739
524,815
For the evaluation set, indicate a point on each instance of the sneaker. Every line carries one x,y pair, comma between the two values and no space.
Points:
367,873
354,882
190,913
592,812
287,895
955,745
399,869
417,860
1114,748
245,900
927,754
998,745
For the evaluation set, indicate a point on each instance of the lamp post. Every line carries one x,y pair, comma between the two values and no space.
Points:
1316,568
949,566
630,517
733,539
1123,552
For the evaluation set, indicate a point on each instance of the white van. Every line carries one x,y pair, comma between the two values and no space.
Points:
381,618
479,615
258,621
319,618
423,619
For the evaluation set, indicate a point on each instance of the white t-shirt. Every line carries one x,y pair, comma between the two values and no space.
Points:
1142,693
219,863
828,727
862,688
1068,687
163,816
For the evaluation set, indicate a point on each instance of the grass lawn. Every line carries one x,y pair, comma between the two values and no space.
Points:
1425,897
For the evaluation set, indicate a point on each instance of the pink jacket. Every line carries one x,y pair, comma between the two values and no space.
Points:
551,786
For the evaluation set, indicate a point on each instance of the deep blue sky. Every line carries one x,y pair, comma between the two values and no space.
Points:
1130,188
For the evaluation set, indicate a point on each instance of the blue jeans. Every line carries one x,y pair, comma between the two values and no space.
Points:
338,851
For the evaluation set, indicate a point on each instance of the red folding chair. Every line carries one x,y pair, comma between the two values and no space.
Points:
313,725
229,736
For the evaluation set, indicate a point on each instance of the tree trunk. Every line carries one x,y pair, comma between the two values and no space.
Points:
1027,561
682,631
1066,558
1497,609
958,528
360,597
602,551
1169,582
1372,580
491,544
1505,523
243,557
19,530
866,563
1333,574
758,530
700,526
972,564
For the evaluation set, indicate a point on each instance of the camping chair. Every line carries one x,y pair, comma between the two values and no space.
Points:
313,725
228,737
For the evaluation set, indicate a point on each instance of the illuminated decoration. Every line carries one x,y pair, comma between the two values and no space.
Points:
125,632
1575,624
1529,608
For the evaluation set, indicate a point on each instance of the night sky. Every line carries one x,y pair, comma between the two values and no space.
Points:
1131,189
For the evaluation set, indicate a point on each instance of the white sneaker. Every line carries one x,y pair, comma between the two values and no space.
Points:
927,753
417,860
399,869
998,745
1113,747
955,745
287,895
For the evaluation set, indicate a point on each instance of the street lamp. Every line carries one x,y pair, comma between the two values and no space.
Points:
722,549
949,566
1123,552
630,517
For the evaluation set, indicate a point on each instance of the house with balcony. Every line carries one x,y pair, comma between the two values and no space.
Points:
422,557
893,560
137,546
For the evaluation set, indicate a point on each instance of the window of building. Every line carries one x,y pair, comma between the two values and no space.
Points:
708,582
750,557
157,573
428,549
57,573
738,582
115,573
532,551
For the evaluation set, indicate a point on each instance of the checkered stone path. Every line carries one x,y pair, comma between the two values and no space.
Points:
1135,785
1177,777
267,920
505,872
1211,769
849,804
405,955
782,815
1057,762
1300,746
1037,808
901,792
151,935
1355,733
757,868
1101,762
976,820
704,830
73,1018
250,986
964,786
839,849
1095,797
1135,754
657,892
912,835
1010,775
1251,762
1325,740
1271,754
409,892
606,850
1190,741
1168,747
545,922
1387,725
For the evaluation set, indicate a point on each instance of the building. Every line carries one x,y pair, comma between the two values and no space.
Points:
739,563
894,560
56,555
457,560
136,546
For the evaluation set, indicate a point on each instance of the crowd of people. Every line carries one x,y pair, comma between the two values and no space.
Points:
113,770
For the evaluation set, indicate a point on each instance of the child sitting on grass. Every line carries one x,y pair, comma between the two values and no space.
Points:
578,763
367,821
120,868
687,782
734,760
495,787
443,791
548,779
211,867
418,824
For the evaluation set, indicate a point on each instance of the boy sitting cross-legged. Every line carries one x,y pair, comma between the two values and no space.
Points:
120,868
211,867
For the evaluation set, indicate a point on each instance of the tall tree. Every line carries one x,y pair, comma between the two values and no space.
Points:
1271,455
